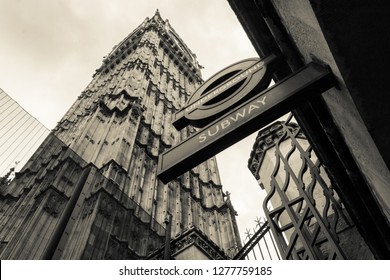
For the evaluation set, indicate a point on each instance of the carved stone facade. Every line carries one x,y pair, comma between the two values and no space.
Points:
91,192
192,244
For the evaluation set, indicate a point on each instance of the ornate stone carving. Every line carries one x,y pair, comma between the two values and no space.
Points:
89,205
265,140
106,207
54,204
194,237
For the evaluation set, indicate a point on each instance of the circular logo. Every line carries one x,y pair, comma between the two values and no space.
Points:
224,91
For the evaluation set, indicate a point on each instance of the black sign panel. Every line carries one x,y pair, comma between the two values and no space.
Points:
245,119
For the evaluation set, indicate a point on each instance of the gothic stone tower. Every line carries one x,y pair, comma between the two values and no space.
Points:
90,191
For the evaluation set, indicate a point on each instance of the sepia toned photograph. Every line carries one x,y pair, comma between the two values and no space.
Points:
222,130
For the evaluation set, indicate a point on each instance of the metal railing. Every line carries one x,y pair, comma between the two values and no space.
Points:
259,243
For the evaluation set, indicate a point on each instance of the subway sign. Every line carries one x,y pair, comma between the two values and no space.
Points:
234,103
226,89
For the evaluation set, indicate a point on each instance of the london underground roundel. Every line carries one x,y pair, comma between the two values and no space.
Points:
225,90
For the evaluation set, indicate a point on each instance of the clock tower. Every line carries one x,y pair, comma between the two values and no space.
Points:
91,192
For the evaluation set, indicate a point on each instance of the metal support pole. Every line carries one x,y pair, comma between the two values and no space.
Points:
167,247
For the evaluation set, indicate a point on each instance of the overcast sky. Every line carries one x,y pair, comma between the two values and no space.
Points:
49,50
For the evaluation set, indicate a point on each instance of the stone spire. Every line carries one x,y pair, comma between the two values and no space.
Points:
103,155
